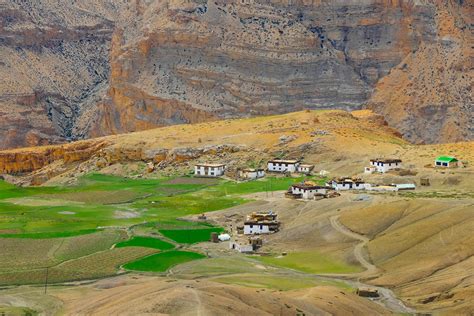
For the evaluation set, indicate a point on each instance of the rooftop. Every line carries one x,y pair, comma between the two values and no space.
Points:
290,161
212,165
309,186
384,160
446,159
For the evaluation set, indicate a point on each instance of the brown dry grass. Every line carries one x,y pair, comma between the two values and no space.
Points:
424,247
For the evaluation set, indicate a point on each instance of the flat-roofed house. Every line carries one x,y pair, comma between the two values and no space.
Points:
251,174
383,165
261,223
260,227
347,183
446,162
209,170
280,165
308,190
241,247
305,168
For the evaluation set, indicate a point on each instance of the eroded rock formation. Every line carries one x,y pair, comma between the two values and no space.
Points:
89,68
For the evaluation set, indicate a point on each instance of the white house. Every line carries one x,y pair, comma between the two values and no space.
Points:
251,174
446,162
260,227
309,191
383,165
209,170
370,169
348,184
304,168
283,166
240,247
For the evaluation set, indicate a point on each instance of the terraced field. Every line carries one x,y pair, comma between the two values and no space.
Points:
163,261
70,230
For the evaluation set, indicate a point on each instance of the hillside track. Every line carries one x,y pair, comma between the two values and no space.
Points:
388,298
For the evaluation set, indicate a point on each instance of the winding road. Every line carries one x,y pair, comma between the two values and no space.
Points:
387,297
358,250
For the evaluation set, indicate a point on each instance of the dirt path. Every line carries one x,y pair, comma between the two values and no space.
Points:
387,297
358,249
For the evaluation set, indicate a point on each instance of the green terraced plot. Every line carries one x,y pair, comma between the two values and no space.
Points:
190,236
147,242
311,262
163,261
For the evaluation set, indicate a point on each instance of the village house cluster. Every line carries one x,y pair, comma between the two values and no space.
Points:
214,170
249,236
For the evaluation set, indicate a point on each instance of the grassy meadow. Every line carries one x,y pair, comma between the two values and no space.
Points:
310,262
79,232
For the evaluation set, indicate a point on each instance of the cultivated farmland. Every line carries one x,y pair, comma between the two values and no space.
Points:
163,261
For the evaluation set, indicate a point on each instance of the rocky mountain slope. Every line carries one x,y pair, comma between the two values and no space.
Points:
76,69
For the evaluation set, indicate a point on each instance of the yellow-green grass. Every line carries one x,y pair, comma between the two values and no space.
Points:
68,210
217,267
161,262
148,242
22,253
310,262
94,266
16,311
97,197
282,283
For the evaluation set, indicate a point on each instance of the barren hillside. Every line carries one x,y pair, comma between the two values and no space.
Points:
72,70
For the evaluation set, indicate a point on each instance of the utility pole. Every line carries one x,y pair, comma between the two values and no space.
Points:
271,188
46,280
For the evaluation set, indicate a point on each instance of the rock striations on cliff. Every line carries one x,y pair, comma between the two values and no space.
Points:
79,69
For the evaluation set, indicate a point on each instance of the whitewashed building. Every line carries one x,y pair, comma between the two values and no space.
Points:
342,184
305,168
383,165
241,247
308,191
251,174
278,165
209,170
257,228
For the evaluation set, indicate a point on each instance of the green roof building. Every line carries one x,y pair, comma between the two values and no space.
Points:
446,162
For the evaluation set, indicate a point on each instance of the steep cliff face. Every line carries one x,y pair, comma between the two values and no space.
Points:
241,58
54,60
428,96
93,68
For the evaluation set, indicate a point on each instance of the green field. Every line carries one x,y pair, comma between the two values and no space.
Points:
16,311
147,242
310,262
190,236
163,261
27,254
97,265
70,229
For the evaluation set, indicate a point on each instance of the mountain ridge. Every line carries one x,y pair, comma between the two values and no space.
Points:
94,68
